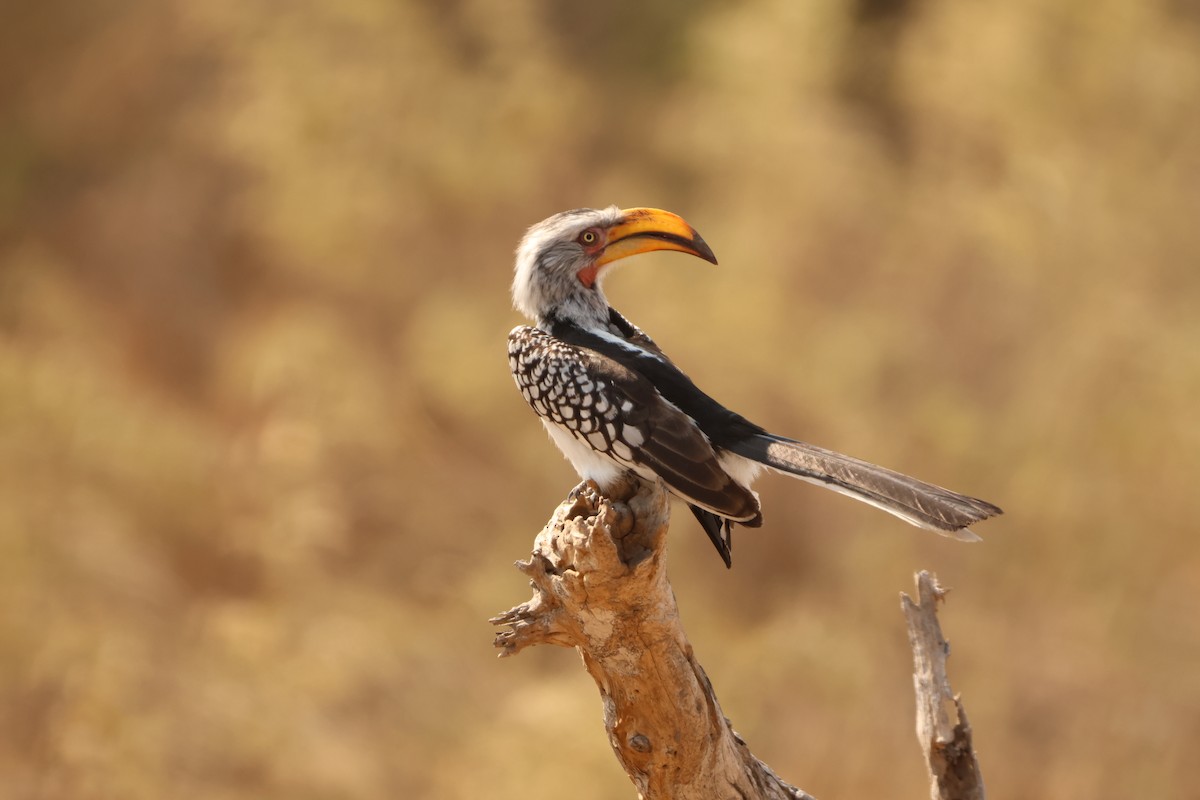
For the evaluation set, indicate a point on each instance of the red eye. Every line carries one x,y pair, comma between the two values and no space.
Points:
589,237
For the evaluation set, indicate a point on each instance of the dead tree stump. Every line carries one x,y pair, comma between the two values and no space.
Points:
600,585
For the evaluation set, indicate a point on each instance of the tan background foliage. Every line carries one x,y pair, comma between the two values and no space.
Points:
263,471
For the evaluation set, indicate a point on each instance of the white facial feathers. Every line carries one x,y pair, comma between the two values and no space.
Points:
548,262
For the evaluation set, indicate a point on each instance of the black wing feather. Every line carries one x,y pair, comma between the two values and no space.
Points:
631,422
722,426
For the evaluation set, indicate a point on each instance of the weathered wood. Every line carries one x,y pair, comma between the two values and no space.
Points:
942,727
599,584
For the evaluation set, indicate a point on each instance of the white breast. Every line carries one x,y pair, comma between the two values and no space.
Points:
587,462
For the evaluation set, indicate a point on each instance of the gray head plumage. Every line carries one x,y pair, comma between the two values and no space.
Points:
548,262
562,260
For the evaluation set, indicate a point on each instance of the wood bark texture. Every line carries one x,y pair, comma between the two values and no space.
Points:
942,727
598,573
599,583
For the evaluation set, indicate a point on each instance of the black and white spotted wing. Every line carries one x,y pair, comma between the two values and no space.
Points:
619,414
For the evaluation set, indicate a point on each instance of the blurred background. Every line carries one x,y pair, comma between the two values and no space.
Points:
263,472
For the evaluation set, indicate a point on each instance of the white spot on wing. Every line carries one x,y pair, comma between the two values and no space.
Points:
632,435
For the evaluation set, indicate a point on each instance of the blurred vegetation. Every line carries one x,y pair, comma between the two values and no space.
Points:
263,472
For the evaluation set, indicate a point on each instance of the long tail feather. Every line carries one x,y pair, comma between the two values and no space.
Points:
916,502
719,530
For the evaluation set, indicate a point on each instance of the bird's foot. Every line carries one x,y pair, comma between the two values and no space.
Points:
585,499
582,488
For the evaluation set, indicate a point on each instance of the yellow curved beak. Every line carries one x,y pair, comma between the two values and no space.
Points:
642,230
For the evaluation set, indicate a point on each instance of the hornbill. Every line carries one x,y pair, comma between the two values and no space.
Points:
613,402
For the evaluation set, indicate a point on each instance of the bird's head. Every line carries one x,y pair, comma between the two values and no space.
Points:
562,260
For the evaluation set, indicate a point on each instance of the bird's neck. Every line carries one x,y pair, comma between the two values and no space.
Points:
588,311
612,325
